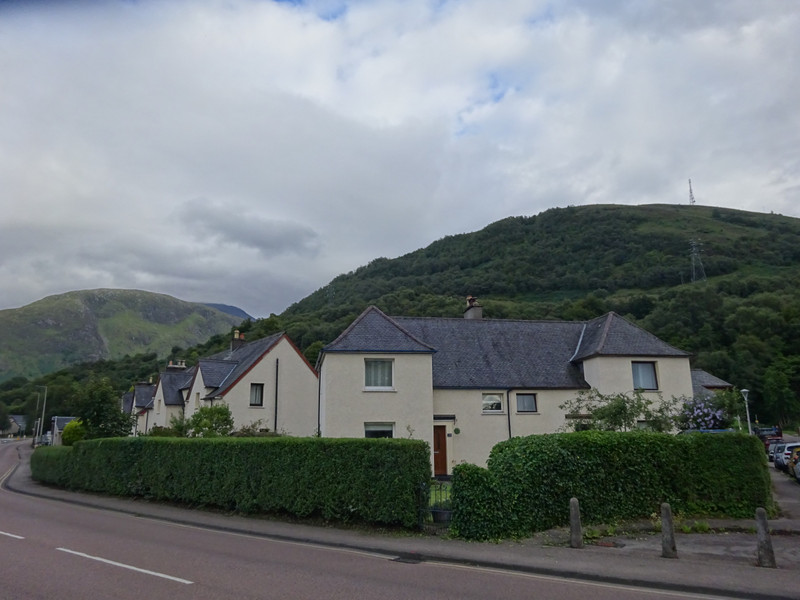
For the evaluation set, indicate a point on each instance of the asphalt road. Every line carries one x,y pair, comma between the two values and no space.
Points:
51,549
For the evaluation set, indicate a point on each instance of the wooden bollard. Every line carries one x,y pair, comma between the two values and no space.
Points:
575,530
766,556
668,548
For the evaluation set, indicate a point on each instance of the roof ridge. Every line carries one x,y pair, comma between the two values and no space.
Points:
604,334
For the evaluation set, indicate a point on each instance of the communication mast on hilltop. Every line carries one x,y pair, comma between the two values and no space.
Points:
698,272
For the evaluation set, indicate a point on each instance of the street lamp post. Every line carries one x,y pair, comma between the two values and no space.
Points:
745,393
44,406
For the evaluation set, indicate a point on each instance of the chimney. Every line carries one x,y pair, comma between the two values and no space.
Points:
179,366
237,341
474,309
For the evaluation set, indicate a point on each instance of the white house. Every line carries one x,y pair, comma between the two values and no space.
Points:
267,381
464,384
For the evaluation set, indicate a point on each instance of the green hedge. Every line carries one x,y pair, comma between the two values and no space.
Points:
615,476
369,480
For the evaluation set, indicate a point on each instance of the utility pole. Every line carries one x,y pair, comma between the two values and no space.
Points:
44,407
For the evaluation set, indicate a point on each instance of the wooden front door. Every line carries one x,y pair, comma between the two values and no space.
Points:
439,450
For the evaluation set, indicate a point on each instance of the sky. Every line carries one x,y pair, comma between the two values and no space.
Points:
246,152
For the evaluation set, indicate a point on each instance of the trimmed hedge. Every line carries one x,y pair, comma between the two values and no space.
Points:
529,481
369,480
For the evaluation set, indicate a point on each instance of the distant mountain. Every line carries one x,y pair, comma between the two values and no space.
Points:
91,325
734,302
234,311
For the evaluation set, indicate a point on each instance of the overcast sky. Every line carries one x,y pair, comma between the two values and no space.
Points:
246,152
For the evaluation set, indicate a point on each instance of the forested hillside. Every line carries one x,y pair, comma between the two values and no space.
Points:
742,320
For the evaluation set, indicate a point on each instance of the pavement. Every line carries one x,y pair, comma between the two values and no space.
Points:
720,563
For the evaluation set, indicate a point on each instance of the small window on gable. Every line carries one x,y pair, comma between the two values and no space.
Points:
526,403
378,430
644,375
256,394
378,373
492,403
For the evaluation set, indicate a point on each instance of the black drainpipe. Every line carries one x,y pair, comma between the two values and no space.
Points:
319,404
508,410
277,362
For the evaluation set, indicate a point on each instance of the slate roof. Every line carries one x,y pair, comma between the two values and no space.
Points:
486,353
127,402
221,371
704,383
494,353
20,420
143,395
373,331
173,382
611,335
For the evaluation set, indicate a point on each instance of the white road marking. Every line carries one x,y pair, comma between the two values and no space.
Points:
11,535
124,566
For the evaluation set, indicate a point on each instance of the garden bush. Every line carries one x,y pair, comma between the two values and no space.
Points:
529,481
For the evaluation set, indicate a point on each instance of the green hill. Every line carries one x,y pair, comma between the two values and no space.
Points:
735,305
92,325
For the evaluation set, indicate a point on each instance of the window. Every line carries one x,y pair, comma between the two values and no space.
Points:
378,373
526,403
644,376
256,394
492,403
378,430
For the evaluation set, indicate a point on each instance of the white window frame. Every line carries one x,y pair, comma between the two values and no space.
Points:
257,391
490,398
642,378
535,403
378,388
379,427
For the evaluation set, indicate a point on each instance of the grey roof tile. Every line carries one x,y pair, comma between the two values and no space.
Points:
373,331
239,360
172,382
704,383
127,402
611,335
487,353
143,395
500,354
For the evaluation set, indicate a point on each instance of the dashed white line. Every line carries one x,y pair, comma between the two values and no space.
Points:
11,535
124,566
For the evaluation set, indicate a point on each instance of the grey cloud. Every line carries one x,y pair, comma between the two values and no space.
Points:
229,225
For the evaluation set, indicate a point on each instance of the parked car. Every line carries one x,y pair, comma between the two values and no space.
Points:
782,456
791,462
776,452
768,441
772,447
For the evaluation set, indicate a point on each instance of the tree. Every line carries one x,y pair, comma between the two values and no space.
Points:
618,412
780,401
211,421
96,404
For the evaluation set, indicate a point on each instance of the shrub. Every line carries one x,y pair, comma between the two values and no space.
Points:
74,431
369,480
529,481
